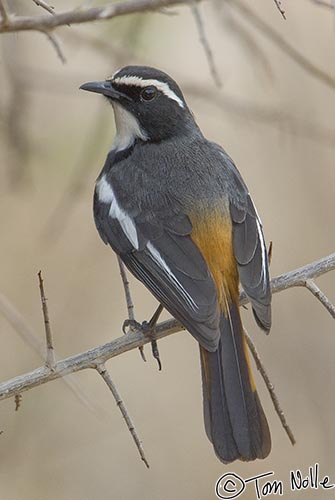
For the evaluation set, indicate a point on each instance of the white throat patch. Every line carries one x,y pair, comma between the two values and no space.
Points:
128,128
141,82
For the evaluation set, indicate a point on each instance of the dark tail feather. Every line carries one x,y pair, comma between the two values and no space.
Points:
234,418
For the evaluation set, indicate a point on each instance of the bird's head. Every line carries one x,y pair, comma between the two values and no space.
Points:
148,105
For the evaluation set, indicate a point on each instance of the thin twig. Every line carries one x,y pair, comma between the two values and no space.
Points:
56,44
17,399
282,44
312,287
4,14
22,328
280,8
61,214
100,354
44,5
325,3
251,45
101,369
129,300
272,116
50,358
126,287
269,387
205,43
16,116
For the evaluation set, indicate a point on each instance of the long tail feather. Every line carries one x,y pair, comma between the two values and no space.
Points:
234,418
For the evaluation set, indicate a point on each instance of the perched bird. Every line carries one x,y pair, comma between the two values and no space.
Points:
174,207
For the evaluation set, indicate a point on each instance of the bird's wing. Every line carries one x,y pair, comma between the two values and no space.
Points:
251,254
161,254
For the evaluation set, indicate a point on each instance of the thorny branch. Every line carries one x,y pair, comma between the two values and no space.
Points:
280,7
101,369
129,300
84,15
100,354
22,328
50,357
44,5
97,357
270,387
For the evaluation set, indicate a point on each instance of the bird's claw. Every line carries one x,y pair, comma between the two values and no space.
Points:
148,330
132,324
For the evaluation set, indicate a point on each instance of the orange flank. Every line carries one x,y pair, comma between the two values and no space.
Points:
213,236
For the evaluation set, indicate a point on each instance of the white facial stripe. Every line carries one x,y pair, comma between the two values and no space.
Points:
163,265
106,195
127,128
141,82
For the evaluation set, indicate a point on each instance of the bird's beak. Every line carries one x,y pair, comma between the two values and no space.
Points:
104,88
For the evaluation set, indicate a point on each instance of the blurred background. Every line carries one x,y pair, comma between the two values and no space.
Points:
275,117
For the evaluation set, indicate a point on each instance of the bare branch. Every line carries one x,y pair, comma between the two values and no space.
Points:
44,5
251,45
16,114
312,287
272,116
50,358
56,222
56,45
205,44
4,14
280,8
270,387
85,15
100,354
127,293
101,369
324,3
282,44
129,300
21,326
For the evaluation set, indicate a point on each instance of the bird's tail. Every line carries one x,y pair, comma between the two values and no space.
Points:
234,418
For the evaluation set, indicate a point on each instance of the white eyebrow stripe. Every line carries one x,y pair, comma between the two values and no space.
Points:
156,256
106,195
141,82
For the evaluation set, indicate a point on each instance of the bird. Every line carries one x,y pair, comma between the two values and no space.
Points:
175,209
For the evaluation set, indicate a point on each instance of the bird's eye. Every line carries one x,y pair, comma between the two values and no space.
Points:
148,93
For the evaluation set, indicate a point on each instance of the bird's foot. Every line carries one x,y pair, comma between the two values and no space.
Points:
148,328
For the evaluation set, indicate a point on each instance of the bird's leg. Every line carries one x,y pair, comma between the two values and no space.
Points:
148,329
151,326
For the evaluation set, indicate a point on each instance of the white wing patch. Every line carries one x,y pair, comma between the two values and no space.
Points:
106,195
263,249
141,82
261,239
163,265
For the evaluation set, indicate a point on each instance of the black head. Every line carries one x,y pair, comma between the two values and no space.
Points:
147,99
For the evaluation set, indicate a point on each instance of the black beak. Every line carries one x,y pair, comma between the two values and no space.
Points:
104,88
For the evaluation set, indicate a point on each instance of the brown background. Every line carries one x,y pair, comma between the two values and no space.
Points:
51,134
